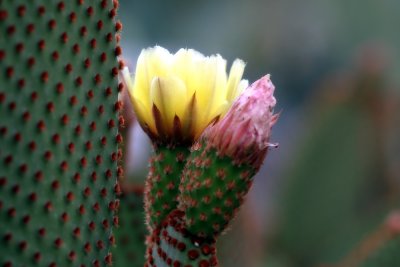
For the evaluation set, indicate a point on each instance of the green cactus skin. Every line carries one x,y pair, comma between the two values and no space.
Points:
172,245
386,256
212,190
162,183
131,231
58,132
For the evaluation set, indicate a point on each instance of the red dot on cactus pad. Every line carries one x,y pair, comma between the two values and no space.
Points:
52,24
118,26
64,37
86,192
109,37
72,17
19,47
44,76
93,43
84,111
3,14
89,11
41,45
78,81
61,6
41,10
100,244
97,78
23,245
118,51
77,232
30,28
83,31
87,247
72,255
88,145
77,177
56,138
112,13
103,4
58,242
11,30
37,256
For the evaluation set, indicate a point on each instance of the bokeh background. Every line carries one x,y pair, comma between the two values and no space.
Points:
322,197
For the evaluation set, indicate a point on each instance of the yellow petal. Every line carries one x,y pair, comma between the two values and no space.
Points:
218,96
127,77
169,95
187,84
235,75
140,88
143,115
184,64
158,63
221,109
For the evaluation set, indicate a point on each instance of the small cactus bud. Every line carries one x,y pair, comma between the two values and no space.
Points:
244,133
219,170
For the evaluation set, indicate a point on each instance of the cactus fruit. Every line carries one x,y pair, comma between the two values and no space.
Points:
162,183
172,245
58,134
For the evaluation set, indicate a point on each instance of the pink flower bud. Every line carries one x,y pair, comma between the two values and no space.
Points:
244,133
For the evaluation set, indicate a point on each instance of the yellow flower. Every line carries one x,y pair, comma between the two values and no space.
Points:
176,96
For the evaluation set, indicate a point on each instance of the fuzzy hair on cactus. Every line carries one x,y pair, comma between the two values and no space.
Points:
197,178
58,132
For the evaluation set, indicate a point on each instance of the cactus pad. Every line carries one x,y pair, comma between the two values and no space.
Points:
212,190
172,245
58,132
131,232
162,183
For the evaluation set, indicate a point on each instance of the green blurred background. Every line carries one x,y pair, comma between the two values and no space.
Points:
335,64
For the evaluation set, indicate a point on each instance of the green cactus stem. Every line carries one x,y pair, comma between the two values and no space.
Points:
58,132
162,183
131,231
212,190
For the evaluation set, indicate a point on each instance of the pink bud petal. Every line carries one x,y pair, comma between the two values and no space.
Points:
244,132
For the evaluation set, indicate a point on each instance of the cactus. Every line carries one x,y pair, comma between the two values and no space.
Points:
386,256
58,134
212,190
173,245
214,176
131,231
162,183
